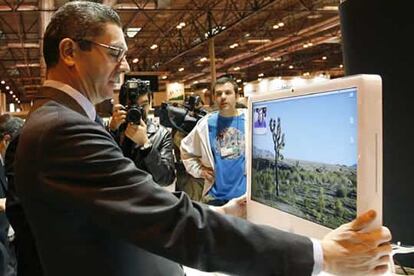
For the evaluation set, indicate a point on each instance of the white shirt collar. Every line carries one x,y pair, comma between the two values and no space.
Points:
1,160
76,95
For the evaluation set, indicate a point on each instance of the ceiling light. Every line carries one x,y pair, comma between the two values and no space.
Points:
234,45
238,80
324,57
290,66
268,58
314,16
154,46
237,68
3,82
276,27
203,59
260,75
181,69
330,8
135,60
11,92
195,82
164,77
341,65
131,32
247,35
258,41
281,24
22,65
14,96
7,87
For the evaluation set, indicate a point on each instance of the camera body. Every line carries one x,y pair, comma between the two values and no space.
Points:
182,118
130,91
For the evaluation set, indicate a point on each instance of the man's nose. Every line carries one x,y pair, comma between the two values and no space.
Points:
124,66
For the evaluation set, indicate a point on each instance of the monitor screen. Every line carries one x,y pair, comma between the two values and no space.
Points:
310,150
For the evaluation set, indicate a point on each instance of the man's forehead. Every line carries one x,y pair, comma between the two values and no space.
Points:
225,87
114,35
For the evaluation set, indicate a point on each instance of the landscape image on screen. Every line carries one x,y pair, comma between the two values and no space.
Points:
305,163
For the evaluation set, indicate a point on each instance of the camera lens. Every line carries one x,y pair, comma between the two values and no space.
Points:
134,115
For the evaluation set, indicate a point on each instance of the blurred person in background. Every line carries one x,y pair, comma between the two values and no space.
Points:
9,127
215,149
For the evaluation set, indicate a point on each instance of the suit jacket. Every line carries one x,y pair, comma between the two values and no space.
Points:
93,212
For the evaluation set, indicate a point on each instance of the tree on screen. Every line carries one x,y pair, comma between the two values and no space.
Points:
279,144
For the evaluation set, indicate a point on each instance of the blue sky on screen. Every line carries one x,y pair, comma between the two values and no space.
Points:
319,128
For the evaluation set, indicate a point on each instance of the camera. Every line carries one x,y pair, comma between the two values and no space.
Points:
182,118
128,97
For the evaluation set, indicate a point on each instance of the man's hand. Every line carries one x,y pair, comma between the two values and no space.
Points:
207,173
352,249
236,207
118,117
137,133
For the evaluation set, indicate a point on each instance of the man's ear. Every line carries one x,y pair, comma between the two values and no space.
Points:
7,137
67,49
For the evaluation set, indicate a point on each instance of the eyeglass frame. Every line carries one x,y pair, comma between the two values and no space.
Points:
121,51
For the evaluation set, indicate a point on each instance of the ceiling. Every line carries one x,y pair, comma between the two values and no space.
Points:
250,37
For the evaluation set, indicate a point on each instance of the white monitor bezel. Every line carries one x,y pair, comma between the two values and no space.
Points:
369,170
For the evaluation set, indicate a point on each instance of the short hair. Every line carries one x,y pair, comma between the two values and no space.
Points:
128,93
225,79
76,20
9,125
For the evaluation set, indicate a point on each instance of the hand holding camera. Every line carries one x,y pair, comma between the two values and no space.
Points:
118,117
137,133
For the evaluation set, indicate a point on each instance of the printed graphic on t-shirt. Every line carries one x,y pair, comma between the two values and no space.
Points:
230,143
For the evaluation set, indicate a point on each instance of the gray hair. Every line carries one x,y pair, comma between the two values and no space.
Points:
76,20
10,125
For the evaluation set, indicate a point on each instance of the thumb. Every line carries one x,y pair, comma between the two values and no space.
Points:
363,220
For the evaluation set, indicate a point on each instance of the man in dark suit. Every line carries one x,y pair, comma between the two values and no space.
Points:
9,127
93,212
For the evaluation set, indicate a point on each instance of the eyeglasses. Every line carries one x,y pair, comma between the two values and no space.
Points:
117,52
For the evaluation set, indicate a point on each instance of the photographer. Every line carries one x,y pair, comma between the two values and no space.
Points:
147,144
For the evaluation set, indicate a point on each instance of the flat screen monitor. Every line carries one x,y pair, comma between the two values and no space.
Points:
314,157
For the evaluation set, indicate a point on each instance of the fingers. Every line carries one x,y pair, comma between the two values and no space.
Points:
375,238
241,200
207,173
363,220
142,123
382,266
117,107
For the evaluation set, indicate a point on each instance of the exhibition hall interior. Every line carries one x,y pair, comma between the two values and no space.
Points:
290,59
